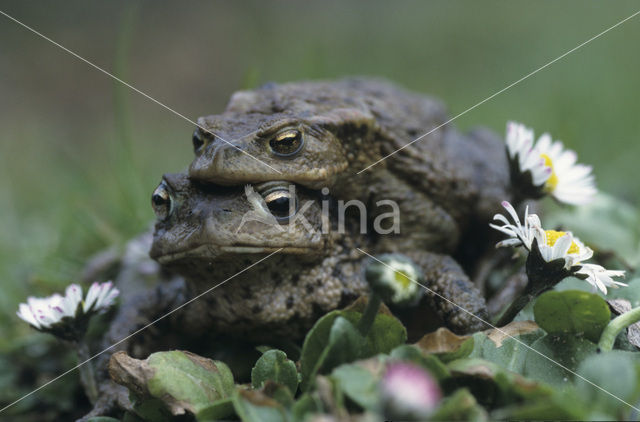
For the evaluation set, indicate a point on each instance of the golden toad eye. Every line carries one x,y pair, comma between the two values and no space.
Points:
281,204
287,143
162,202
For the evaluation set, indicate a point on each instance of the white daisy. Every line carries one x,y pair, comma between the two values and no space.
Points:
553,245
599,277
553,168
519,234
55,312
520,148
100,297
45,312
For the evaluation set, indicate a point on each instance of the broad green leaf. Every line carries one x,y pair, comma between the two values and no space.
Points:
511,353
359,382
334,340
102,419
460,406
183,381
630,292
278,392
220,409
253,406
572,312
305,405
430,362
273,365
132,417
151,409
552,353
493,384
314,347
616,374
191,381
346,344
386,332
560,405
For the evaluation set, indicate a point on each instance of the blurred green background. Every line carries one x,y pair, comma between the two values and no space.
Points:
81,154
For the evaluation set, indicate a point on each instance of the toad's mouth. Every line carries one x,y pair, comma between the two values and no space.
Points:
210,252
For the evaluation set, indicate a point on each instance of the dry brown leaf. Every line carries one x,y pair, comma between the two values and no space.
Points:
498,335
441,341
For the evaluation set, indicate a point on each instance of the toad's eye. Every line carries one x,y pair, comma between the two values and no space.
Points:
197,140
162,202
287,144
281,204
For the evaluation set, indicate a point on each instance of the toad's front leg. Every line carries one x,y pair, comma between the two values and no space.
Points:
450,292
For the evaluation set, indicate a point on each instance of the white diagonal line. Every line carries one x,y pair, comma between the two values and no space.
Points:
501,331
503,89
138,331
95,66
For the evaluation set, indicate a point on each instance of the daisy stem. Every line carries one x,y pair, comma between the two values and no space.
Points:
369,315
513,309
616,325
542,276
87,373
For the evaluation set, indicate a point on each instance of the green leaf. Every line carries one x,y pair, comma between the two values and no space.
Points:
253,406
359,382
314,347
430,362
630,292
182,381
132,417
550,352
386,333
278,392
572,312
220,409
273,365
334,340
305,405
346,344
494,385
151,409
460,406
103,419
511,353
615,373
191,382
561,405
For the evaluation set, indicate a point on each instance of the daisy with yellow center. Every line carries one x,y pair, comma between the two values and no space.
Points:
552,245
545,167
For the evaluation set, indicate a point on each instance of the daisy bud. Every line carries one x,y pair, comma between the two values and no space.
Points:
395,279
408,392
